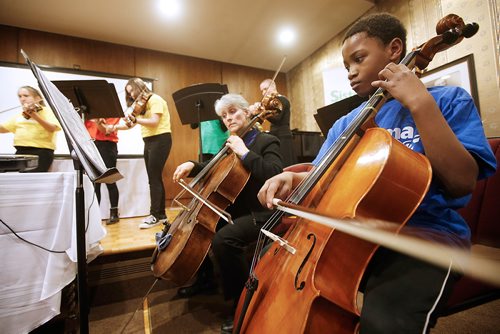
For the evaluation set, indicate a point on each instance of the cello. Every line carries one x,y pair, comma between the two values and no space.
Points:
310,281
182,247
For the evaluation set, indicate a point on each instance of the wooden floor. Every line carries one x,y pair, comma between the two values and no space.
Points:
126,236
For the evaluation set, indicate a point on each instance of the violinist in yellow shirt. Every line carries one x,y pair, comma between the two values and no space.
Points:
34,128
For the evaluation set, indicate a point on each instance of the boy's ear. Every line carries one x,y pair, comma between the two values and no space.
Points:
395,48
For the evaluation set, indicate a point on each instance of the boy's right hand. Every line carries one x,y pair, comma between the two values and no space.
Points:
182,171
279,186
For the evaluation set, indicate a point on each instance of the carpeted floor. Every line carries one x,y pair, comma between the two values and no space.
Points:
167,314
164,312
483,319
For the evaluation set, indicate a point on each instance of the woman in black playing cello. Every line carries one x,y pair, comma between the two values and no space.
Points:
259,154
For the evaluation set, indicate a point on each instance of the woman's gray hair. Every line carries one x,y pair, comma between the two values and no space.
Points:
230,100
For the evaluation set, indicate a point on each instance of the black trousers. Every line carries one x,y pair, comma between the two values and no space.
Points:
109,153
156,151
45,157
229,246
403,294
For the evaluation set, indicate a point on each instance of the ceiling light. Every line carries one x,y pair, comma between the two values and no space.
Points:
286,36
169,8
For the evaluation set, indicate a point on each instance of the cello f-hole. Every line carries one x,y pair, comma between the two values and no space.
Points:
303,283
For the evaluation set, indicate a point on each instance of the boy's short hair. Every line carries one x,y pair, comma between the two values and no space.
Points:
383,26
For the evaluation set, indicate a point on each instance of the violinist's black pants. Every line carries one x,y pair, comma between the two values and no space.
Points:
229,247
45,157
403,294
109,154
156,151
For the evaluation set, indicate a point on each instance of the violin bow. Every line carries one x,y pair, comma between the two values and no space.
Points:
275,76
382,233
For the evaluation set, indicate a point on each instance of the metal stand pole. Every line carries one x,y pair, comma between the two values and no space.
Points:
83,304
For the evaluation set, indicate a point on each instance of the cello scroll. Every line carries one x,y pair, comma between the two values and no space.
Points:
451,30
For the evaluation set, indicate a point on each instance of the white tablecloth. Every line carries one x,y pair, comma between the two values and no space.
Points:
40,208
134,188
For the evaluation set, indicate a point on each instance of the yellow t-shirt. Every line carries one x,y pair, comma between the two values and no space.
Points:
156,105
28,132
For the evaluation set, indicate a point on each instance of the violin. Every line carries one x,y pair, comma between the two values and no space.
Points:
309,279
138,107
270,102
28,109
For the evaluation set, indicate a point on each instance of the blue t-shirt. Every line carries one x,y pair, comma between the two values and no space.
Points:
437,211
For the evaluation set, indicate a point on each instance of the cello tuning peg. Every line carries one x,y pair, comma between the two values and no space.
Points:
450,36
470,29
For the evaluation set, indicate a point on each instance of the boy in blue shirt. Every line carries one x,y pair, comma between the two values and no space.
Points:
401,294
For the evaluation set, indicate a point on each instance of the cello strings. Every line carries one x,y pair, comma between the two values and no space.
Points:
276,219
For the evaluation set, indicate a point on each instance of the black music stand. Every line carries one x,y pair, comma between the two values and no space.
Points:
327,115
195,104
87,157
92,98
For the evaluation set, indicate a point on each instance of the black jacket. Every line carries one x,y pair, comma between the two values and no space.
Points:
263,161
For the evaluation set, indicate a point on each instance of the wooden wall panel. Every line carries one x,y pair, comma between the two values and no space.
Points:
77,53
8,44
246,80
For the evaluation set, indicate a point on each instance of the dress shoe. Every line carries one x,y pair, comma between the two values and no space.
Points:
227,326
198,288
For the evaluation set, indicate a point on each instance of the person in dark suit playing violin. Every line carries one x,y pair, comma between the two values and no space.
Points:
280,123
401,293
260,155
34,128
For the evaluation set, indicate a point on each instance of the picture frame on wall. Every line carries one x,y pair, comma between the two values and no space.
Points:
460,72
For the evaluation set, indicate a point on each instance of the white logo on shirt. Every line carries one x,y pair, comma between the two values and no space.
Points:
408,136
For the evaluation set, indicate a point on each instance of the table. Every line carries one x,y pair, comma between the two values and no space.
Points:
40,208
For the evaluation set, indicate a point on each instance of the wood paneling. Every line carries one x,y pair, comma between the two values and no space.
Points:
70,52
8,44
246,80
